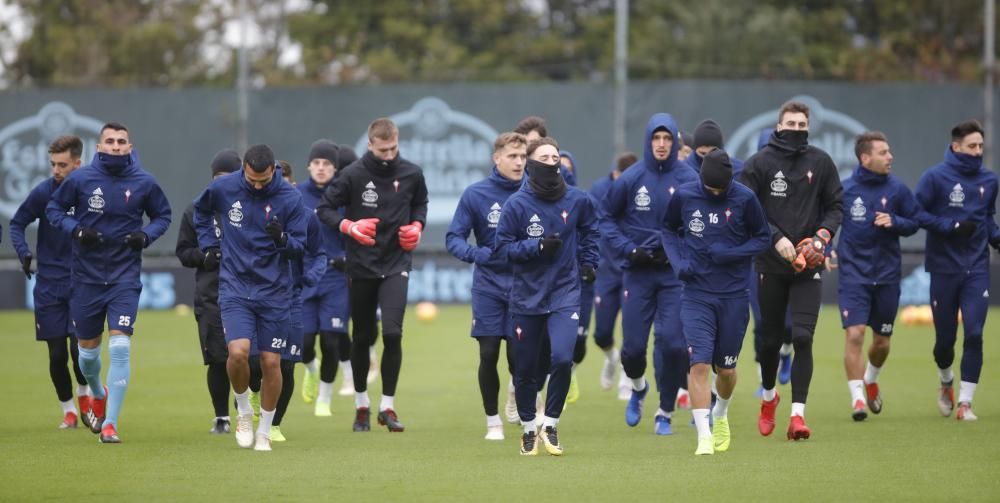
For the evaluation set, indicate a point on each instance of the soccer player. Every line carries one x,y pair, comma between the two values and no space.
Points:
960,195
102,206
52,283
264,225
548,232
478,212
380,202
631,222
799,188
713,228
880,210
206,299
325,306
608,288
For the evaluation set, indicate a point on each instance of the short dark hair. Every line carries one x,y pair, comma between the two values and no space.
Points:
532,123
114,126
541,141
795,107
70,143
863,143
965,128
625,160
259,158
286,170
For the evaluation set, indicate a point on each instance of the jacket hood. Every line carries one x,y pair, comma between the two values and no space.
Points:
570,176
963,163
764,138
868,177
658,121
504,182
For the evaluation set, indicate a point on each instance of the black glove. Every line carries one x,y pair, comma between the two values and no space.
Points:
26,264
277,232
211,260
338,263
588,274
964,229
996,245
88,237
548,247
659,256
639,256
137,240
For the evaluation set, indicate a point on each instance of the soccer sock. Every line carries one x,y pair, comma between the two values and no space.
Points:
312,367
529,426
348,372
721,408
798,409
947,376
82,390
871,373
638,384
610,353
264,426
786,349
769,394
243,407
760,374
550,421
661,412
361,400
492,421
90,365
510,385
701,422
119,347
856,386
325,391
68,407
387,403
965,391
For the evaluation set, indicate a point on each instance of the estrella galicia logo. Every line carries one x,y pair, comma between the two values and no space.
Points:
957,196
453,148
858,210
535,229
96,201
236,214
24,146
493,217
829,130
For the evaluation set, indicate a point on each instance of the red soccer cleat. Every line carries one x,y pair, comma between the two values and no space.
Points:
683,400
765,422
874,397
797,429
859,413
68,422
96,414
84,401
109,435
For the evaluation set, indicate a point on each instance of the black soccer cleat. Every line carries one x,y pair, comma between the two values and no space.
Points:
362,419
221,426
388,419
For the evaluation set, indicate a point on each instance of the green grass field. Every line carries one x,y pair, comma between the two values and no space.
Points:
908,453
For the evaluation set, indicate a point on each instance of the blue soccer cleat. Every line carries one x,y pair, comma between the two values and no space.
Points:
662,426
785,369
633,411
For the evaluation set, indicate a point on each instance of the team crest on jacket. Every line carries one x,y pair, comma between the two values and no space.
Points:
493,217
858,210
779,185
957,196
369,197
696,226
642,199
535,230
236,214
96,201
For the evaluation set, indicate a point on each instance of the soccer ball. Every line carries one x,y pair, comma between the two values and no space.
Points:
426,311
182,310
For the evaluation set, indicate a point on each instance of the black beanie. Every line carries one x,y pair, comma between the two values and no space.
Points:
717,170
226,161
323,149
345,156
707,133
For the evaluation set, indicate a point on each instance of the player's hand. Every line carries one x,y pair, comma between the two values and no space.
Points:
362,231
549,246
409,236
482,255
659,256
212,258
26,264
786,249
964,229
275,230
588,274
338,263
811,251
639,256
831,261
137,240
88,237
883,219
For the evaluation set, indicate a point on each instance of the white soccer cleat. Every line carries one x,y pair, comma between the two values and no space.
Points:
965,412
494,432
608,370
510,410
624,387
263,443
244,430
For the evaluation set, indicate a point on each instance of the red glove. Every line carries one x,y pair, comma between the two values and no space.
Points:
362,231
811,254
409,235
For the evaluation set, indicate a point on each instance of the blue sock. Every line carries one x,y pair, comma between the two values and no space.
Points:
118,376
90,365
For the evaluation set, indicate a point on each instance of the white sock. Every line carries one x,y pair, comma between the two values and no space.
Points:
609,353
769,394
857,387
712,380
947,376
721,408
348,372
223,417
68,407
243,403
361,400
325,391
387,403
965,391
786,349
798,409
701,422
82,390
372,355
760,374
529,426
661,412
492,421
264,426
871,373
638,384
550,421
312,367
